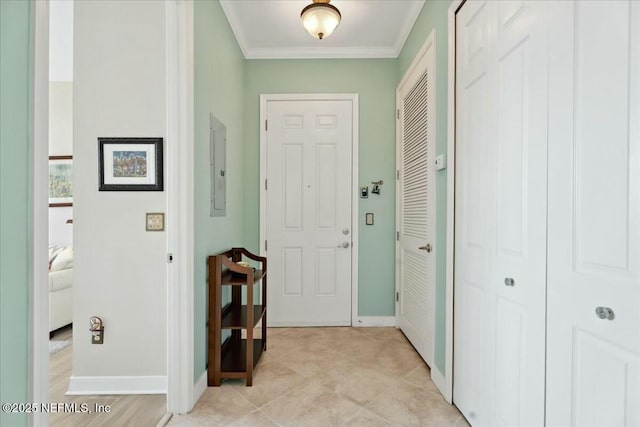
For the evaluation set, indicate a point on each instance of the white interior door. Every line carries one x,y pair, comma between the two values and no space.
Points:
594,216
308,211
500,212
416,205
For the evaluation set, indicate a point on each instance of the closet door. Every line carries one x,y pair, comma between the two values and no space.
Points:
501,158
594,216
416,277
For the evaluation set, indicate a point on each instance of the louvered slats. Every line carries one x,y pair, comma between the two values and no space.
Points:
415,159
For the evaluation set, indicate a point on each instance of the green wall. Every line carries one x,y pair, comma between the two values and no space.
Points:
15,206
219,89
434,15
374,80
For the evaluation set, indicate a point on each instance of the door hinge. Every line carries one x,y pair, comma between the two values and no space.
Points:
398,114
397,296
398,174
169,258
266,125
265,184
265,245
397,236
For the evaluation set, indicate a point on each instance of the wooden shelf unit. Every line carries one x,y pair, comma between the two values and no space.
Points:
236,357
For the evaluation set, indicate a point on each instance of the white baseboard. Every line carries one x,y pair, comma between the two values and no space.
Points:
440,382
200,387
306,324
365,321
80,386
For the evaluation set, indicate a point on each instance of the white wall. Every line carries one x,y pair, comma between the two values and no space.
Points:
119,268
60,144
61,40
60,118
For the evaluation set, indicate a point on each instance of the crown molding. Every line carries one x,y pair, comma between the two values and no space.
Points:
407,27
234,23
321,53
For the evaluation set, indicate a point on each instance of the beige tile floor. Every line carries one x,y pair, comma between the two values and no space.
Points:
329,377
125,410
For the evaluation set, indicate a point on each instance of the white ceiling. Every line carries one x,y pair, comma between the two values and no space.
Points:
369,28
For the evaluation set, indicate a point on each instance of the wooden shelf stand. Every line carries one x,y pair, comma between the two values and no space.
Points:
237,356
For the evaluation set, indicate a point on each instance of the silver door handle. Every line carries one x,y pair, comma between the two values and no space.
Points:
604,313
509,281
343,245
426,247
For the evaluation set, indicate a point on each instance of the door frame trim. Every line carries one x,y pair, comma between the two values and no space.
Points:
182,391
418,67
38,379
447,390
355,150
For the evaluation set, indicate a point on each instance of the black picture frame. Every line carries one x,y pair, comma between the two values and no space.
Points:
130,164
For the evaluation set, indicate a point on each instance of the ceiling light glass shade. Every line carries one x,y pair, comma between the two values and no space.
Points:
320,19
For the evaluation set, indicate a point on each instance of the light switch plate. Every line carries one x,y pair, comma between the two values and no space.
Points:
155,222
369,218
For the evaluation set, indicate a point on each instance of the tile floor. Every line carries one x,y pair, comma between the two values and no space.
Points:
329,377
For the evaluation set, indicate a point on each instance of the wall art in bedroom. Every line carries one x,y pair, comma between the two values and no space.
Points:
130,164
60,181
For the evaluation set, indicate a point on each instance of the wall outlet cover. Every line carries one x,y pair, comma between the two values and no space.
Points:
155,221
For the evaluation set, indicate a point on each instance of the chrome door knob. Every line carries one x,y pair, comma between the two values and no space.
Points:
426,247
605,313
508,281
343,245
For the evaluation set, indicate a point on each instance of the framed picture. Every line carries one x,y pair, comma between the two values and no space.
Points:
60,181
130,164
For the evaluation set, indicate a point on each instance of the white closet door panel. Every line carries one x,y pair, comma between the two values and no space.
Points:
594,216
501,151
474,209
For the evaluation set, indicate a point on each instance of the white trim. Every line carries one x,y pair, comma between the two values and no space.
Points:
417,60
165,420
179,383
200,386
307,324
446,386
81,386
234,23
354,98
406,28
375,321
39,240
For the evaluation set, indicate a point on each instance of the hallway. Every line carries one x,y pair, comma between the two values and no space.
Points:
329,377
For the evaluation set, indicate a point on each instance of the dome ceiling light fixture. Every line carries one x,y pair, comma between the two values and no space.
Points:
320,18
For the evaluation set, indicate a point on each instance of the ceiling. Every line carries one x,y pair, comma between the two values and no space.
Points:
369,28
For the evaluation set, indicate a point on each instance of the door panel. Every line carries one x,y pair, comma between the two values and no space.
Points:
501,156
594,215
309,152
416,201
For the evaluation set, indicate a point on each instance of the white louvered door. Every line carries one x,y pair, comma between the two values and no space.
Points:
416,202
